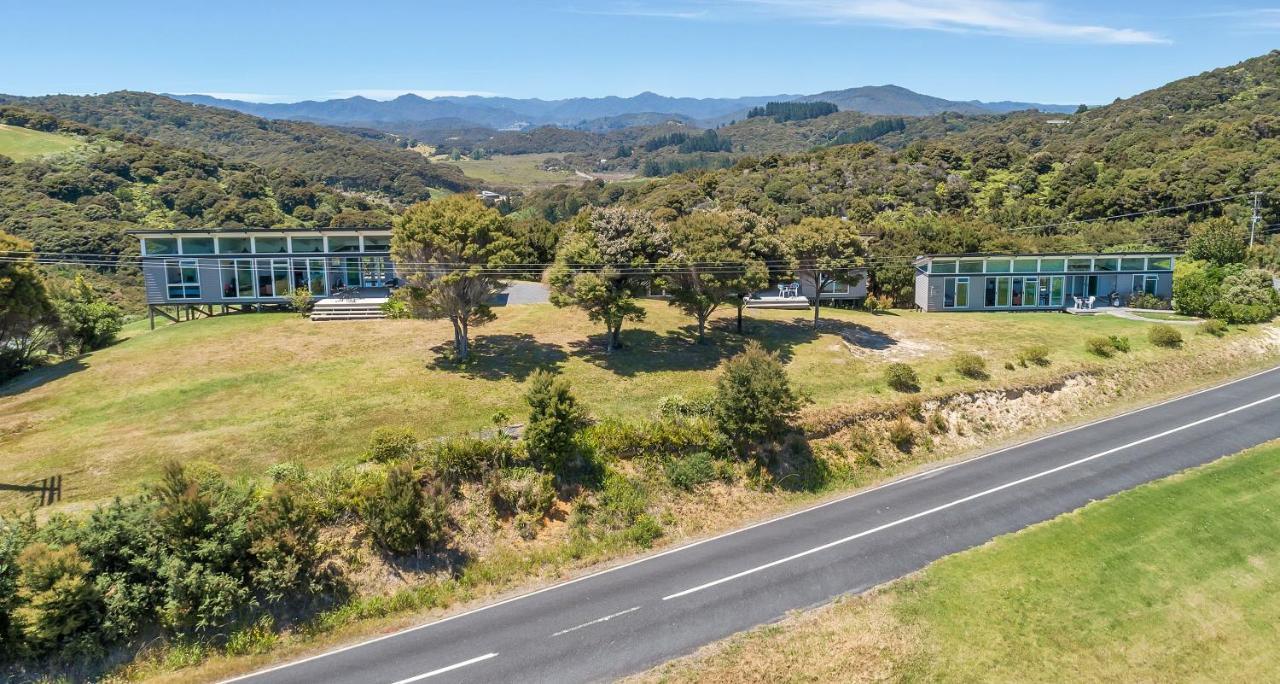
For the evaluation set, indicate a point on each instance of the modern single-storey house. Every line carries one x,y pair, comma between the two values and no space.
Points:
230,268
799,294
1018,282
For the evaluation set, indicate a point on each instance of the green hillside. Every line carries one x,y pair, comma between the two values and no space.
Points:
20,144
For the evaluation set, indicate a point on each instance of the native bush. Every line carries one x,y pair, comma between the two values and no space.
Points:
1213,327
555,419
468,458
693,470
1035,354
902,434
523,490
301,301
1145,300
653,440
60,607
1164,336
901,377
622,502
644,531
680,406
754,401
387,444
970,366
284,549
1120,343
401,516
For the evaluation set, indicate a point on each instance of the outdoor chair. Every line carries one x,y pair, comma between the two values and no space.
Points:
1079,303
1089,304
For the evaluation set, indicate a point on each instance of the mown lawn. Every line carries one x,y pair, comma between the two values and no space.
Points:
519,170
245,392
19,143
1174,581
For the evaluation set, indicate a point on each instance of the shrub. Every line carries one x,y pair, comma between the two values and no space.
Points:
754,401
970,366
1144,300
523,490
285,534
622,502
401,516
1241,313
13,537
1120,343
679,406
87,320
388,444
691,471
288,471
901,377
301,301
1164,336
938,424
902,434
644,531
1036,354
555,419
657,441
1213,327
1100,346
467,458
396,308
61,608
877,303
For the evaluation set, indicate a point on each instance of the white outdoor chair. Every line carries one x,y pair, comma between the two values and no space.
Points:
1079,303
1092,300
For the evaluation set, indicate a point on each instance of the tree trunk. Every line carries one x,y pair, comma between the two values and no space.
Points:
459,341
613,339
741,305
702,329
817,299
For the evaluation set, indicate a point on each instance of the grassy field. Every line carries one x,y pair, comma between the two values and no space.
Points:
519,170
245,392
1173,581
23,143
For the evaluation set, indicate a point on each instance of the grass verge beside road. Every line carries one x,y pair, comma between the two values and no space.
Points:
1173,581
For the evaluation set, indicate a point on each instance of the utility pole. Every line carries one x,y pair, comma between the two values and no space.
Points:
1255,219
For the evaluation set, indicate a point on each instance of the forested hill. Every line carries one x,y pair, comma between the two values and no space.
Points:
352,161
81,201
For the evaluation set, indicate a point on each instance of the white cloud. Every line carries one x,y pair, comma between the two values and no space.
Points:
1262,19
393,93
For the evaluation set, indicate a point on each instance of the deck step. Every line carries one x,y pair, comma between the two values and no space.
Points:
347,310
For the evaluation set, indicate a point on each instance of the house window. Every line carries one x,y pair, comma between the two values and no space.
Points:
237,279
197,245
1079,265
1056,286
1145,283
280,277
1024,265
344,243
1160,264
836,287
1053,265
1133,264
266,281
1106,264
309,274
380,243
944,267
182,278
1030,291
233,245
970,267
955,293
308,244
159,246
999,291
999,266
270,245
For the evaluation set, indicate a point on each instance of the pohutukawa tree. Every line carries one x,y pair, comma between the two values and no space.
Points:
826,251
713,261
605,261
445,251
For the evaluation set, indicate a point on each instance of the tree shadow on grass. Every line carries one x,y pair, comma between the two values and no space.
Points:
495,357
645,351
859,335
39,376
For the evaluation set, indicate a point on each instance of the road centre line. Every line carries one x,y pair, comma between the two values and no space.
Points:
449,668
971,497
597,621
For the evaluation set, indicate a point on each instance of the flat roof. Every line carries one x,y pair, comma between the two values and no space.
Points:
1036,255
221,231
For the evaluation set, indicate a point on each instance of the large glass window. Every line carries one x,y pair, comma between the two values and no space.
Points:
377,243
998,265
237,279
1145,283
315,278
1025,265
280,278
1056,288
197,245
159,246
233,245
947,266
344,243
955,293
999,291
308,244
1133,264
266,281
969,267
1030,291
1079,264
1160,264
182,278
270,245
1053,265
1106,264
835,287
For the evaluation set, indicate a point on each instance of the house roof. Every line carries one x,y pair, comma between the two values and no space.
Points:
234,231
1036,255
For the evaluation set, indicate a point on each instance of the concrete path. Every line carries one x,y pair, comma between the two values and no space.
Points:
637,615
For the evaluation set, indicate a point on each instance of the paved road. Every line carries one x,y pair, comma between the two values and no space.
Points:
637,615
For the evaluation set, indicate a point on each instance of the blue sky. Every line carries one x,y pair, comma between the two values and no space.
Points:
1059,51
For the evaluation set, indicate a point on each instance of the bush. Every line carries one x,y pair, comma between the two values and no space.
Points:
301,301
396,308
1197,286
1213,327
902,434
1143,300
877,303
754,401
1241,314
679,406
938,424
1164,336
1247,296
463,459
555,419
691,471
1036,355
523,490
1120,343
61,609
657,441
644,531
901,377
285,548
388,444
401,516
622,502
970,366
87,320
1107,346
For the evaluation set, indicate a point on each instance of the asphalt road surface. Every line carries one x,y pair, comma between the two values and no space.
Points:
637,615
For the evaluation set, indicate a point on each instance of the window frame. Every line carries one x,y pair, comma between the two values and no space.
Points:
184,286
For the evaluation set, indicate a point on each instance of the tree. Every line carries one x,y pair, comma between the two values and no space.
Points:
604,262
711,264
1248,296
445,250
24,306
88,320
754,401
826,250
1197,285
555,417
1219,241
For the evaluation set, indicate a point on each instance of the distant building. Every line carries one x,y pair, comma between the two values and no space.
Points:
1018,282
490,196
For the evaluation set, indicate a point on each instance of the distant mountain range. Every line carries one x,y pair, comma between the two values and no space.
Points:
592,112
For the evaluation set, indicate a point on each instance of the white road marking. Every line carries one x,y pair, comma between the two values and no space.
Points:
740,530
596,621
450,668
971,497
